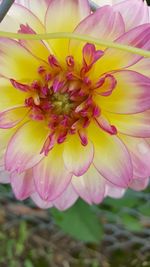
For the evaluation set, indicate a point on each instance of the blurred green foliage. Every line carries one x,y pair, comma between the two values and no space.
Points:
84,223
13,247
80,221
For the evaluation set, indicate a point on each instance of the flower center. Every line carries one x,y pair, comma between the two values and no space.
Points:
61,103
63,96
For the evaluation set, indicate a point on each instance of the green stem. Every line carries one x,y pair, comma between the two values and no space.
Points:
79,37
4,7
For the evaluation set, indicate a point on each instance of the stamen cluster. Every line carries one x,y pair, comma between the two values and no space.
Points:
64,97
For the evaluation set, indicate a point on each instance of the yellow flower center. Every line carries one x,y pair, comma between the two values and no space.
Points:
61,103
64,96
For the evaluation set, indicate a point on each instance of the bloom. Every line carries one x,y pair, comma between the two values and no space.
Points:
74,117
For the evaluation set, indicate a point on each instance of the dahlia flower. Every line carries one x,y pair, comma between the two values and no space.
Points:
74,115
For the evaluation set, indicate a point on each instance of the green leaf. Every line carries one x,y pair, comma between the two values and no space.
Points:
80,222
131,223
145,209
28,263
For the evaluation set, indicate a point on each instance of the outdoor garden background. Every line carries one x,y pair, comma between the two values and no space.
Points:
113,234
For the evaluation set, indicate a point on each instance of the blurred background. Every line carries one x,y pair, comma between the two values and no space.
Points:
114,234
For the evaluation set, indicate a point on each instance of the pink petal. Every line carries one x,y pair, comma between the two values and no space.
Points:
22,184
104,23
90,186
69,14
5,135
19,14
10,118
64,15
66,199
139,184
4,176
106,85
134,12
63,202
20,86
23,150
50,176
111,157
38,7
90,56
137,125
115,59
77,158
131,94
2,153
40,202
142,66
114,191
138,37
140,155
105,125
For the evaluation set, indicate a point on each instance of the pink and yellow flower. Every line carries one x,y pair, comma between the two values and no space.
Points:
74,116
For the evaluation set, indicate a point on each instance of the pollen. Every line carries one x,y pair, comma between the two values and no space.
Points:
61,103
